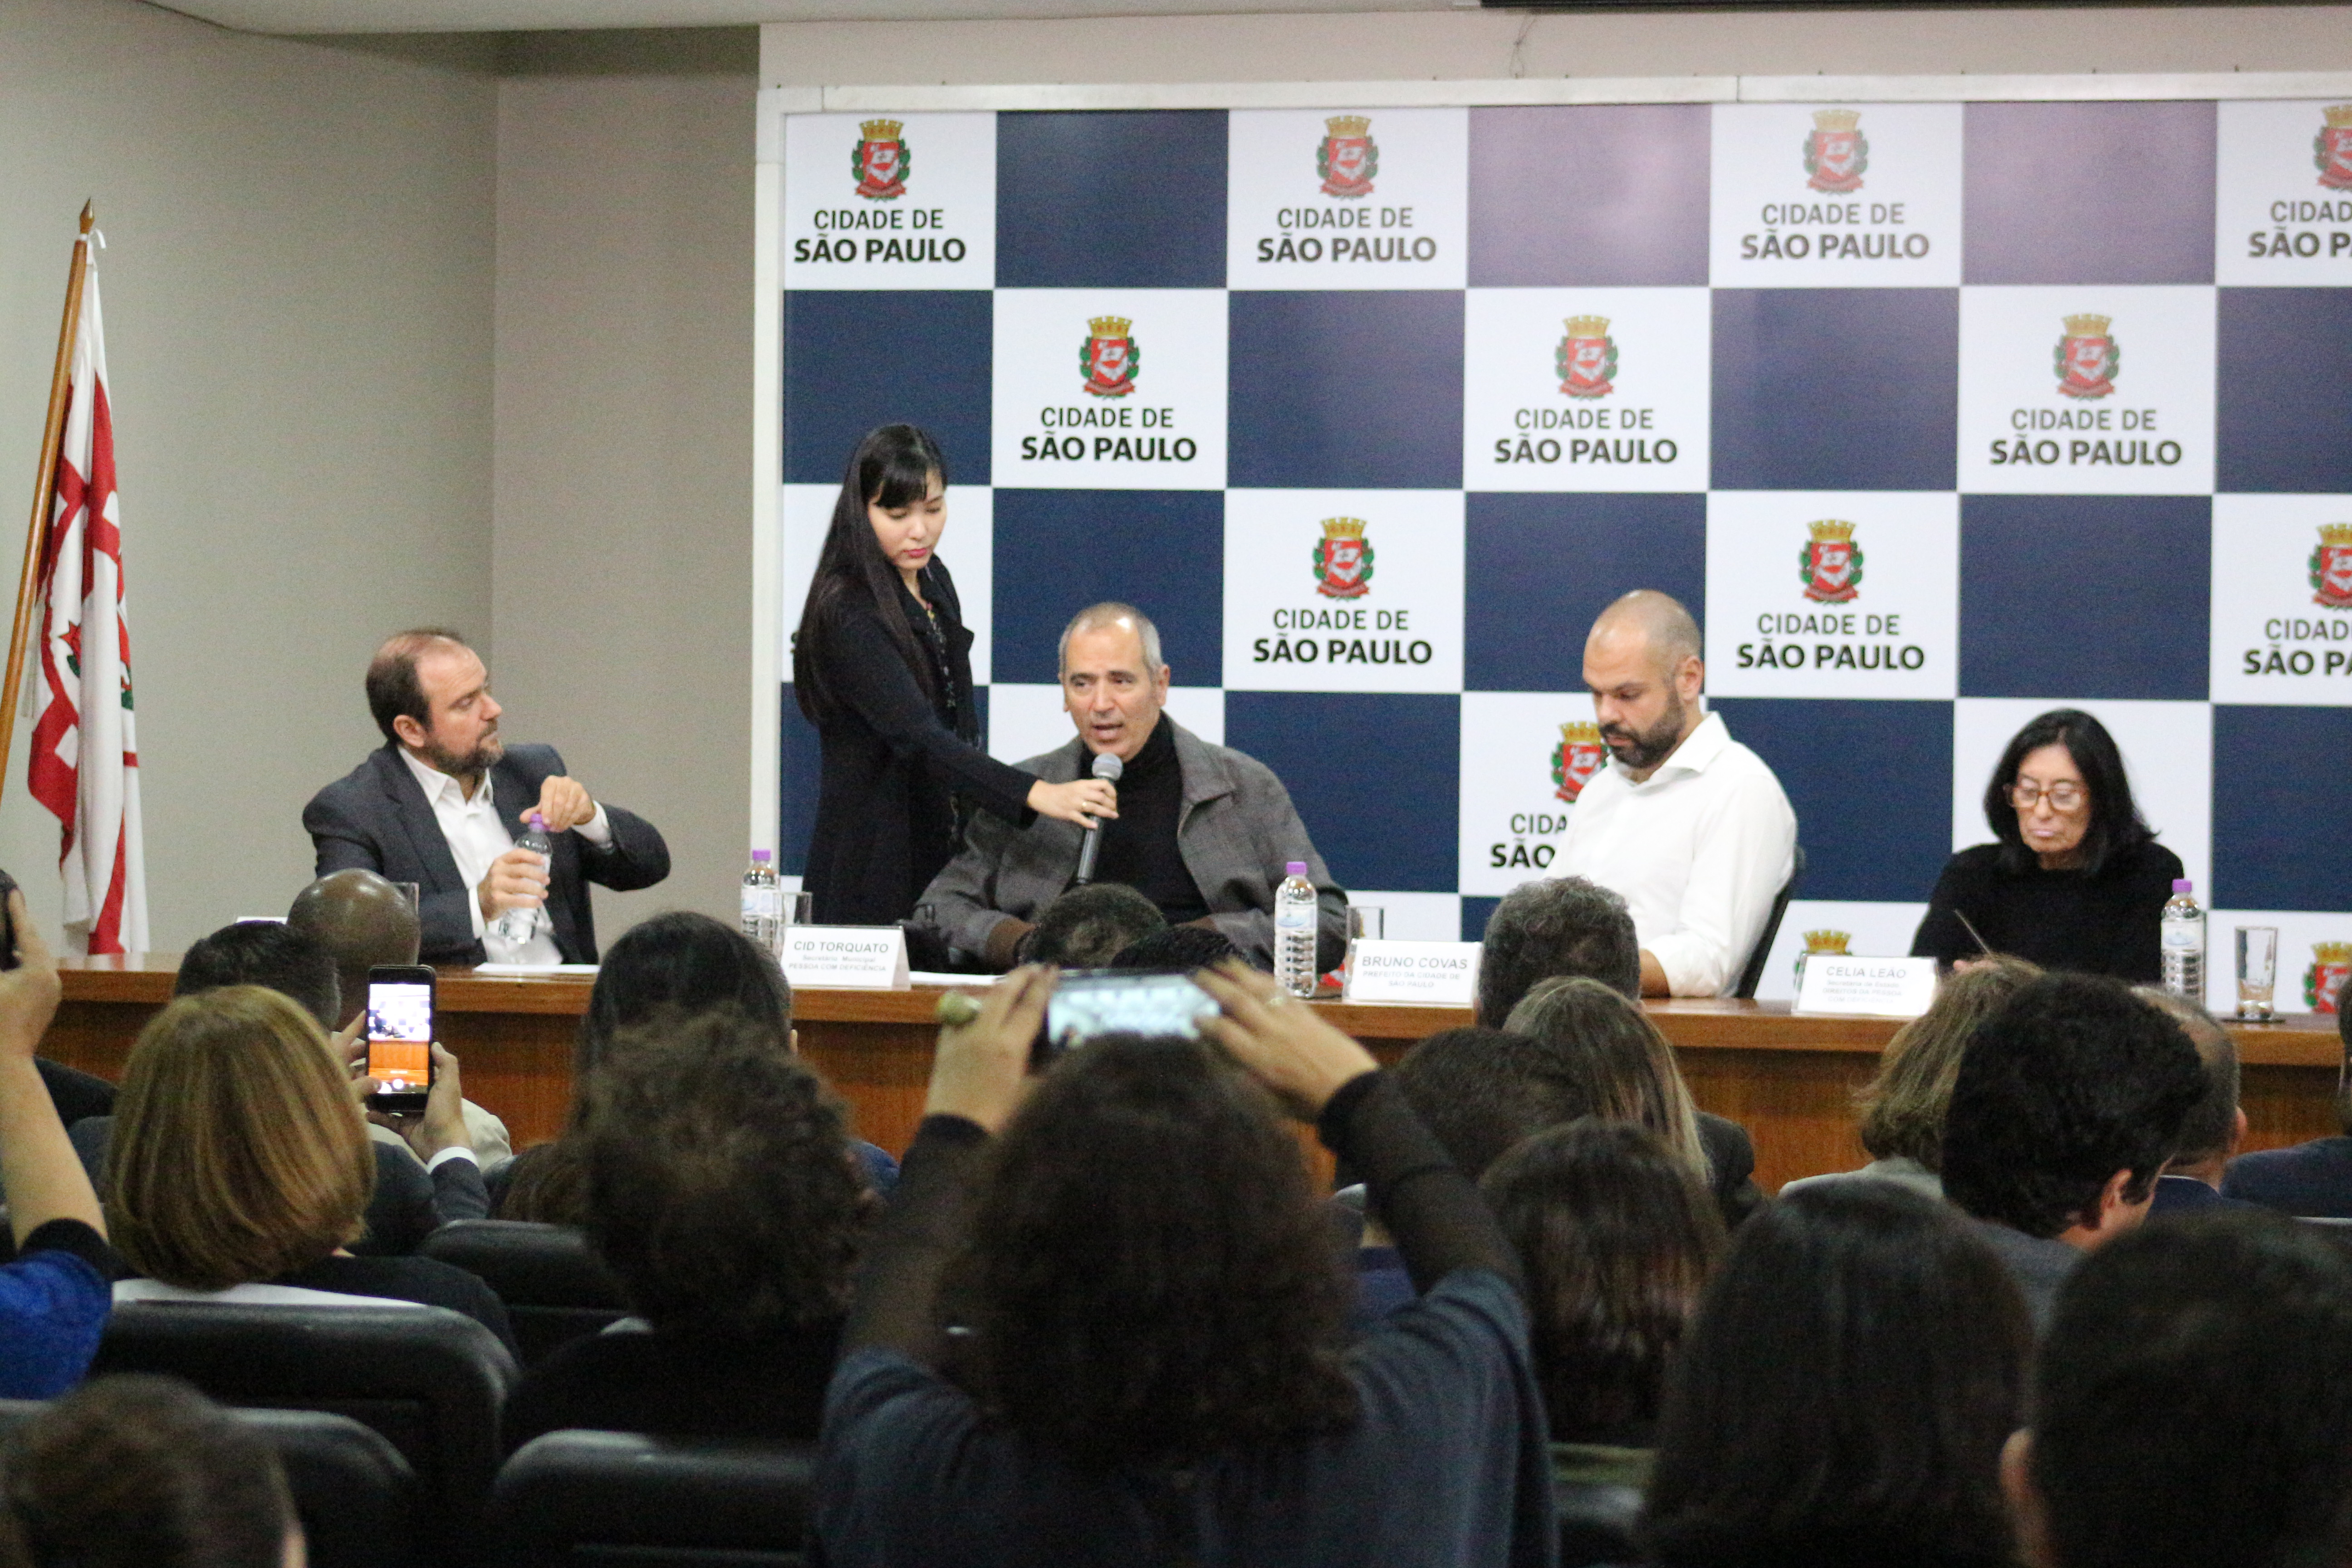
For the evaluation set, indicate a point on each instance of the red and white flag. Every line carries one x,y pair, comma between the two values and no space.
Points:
85,764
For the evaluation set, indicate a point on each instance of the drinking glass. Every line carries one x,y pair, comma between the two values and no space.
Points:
799,909
1366,921
2257,970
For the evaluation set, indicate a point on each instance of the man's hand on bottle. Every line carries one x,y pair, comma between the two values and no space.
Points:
516,880
563,802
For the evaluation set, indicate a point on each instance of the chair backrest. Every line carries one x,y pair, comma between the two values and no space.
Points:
1596,1524
431,1382
620,1500
1754,972
355,1495
555,1287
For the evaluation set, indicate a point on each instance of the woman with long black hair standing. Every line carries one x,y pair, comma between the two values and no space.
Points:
882,667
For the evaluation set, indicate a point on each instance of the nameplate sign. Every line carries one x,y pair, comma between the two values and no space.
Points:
1875,987
1438,973
847,958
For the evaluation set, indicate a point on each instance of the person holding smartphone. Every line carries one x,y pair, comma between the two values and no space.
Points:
882,667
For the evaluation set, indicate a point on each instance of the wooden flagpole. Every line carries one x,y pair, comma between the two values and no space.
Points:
45,493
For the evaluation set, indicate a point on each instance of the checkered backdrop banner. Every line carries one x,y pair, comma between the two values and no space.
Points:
1937,414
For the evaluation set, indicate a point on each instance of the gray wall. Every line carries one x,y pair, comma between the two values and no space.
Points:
298,302
622,596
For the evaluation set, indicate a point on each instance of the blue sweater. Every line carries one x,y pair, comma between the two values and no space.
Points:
54,1300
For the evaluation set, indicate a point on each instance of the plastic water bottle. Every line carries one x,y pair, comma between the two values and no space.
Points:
520,924
2183,944
1295,911
763,904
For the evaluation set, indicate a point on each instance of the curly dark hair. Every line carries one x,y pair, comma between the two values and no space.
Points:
1088,926
1618,1238
677,962
721,1188
1179,947
2070,1080
1148,1277
1556,925
1842,1397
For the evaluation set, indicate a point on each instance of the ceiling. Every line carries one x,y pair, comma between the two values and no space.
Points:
504,15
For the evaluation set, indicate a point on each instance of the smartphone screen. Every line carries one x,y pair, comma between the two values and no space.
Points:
400,1035
1089,1004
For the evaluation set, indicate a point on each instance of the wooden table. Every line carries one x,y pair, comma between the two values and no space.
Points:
1786,1079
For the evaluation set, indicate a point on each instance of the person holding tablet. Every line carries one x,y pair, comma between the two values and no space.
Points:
882,667
2073,879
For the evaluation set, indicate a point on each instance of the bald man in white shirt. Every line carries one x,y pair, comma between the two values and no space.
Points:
1687,825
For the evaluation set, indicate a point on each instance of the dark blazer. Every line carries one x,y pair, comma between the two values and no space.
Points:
892,764
376,816
2313,1180
2186,1194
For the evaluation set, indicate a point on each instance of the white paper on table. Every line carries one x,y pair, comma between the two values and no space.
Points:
847,958
1873,988
527,969
1433,974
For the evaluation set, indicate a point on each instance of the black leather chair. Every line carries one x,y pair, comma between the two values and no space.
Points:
1754,972
431,1382
1596,1524
555,1287
355,1494
619,1500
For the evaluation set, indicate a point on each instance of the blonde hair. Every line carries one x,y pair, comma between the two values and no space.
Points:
1902,1109
1633,1073
238,1154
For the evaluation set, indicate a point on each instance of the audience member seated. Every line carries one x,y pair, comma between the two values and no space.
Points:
2215,1126
1617,1238
53,1299
143,1472
1478,1091
418,1187
363,920
1635,1080
2313,1179
1087,927
678,963
1556,926
1902,1109
1179,947
1844,1395
1157,1368
240,1168
2069,1100
722,1192
2193,1404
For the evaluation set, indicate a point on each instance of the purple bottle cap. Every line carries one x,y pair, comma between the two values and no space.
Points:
537,822
759,857
1294,869
2181,885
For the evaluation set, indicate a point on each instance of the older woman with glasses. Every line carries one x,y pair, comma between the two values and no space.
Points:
2074,879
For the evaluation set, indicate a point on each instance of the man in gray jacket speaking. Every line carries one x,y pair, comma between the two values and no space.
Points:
1202,831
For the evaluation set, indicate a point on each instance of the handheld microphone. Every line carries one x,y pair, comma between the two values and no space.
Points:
1107,768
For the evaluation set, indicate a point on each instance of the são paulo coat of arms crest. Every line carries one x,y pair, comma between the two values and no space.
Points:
1586,358
1109,358
2331,965
2331,149
2087,359
1830,563
1343,558
2331,567
1836,152
880,160
1575,759
1347,158
1837,941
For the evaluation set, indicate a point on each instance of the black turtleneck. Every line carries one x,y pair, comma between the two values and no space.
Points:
1138,847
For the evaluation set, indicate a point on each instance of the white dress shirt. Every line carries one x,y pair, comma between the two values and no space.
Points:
1699,849
476,836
